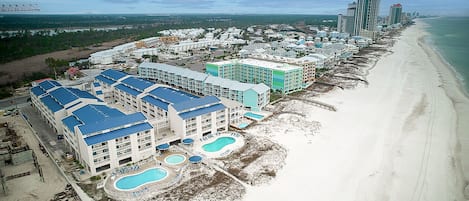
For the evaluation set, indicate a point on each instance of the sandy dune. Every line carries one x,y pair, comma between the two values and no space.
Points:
395,139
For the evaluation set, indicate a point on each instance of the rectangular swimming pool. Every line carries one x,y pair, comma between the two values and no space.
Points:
253,116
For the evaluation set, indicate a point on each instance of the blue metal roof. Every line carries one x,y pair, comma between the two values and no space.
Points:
190,104
117,133
96,113
51,103
110,123
71,121
73,105
49,84
37,91
128,90
99,92
156,102
113,74
63,95
201,111
96,84
137,83
172,95
104,79
82,94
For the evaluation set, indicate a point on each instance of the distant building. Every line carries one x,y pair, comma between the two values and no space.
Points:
366,17
345,23
395,14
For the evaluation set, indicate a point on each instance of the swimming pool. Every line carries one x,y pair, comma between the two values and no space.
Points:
218,144
148,176
243,125
253,116
175,159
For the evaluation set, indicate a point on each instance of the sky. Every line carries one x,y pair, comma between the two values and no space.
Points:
333,7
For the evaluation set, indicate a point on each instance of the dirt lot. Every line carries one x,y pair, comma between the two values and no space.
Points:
14,70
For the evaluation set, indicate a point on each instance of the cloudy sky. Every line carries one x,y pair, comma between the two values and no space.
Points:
438,7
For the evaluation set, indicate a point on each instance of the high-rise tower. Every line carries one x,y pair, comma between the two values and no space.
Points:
366,16
395,14
345,22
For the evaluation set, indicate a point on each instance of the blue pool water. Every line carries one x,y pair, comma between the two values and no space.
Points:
218,144
175,159
243,125
253,116
134,181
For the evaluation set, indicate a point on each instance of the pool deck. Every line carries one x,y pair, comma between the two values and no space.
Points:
265,115
145,191
228,149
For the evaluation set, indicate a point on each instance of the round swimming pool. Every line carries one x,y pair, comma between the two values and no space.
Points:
148,176
218,144
175,159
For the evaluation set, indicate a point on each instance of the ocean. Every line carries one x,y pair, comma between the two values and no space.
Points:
450,37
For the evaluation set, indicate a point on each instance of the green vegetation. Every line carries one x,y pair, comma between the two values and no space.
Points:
6,90
275,96
95,178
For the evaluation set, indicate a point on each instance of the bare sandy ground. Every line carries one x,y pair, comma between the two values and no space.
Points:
14,70
31,187
395,139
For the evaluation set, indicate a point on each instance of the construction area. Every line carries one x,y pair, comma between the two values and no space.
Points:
26,170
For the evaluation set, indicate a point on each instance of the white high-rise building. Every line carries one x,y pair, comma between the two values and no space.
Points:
366,17
345,23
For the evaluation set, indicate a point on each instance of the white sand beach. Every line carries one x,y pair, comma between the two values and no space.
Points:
395,139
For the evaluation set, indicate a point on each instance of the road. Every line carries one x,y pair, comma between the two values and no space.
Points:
10,103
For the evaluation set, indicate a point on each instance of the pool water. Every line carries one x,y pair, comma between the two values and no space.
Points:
218,144
134,181
253,116
243,125
175,159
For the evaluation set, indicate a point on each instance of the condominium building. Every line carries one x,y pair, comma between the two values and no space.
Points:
366,17
252,96
309,65
345,23
281,77
99,137
162,105
395,14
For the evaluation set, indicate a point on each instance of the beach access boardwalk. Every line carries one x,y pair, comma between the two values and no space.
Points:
313,102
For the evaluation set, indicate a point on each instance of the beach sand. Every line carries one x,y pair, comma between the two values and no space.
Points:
399,138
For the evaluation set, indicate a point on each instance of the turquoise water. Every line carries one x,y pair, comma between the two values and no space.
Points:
134,181
254,116
175,159
218,144
243,125
450,37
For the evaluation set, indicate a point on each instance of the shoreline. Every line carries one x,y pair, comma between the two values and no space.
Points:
454,89
399,138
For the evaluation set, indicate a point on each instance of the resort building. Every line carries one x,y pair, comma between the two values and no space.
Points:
99,137
309,65
281,77
395,14
345,23
251,96
174,114
366,17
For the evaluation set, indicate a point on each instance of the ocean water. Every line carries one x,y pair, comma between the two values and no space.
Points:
450,37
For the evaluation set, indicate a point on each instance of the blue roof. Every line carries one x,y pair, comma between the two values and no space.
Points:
73,105
201,111
99,92
49,84
117,133
172,95
104,79
113,74
96,84
63,95
195,159
110,123
128,90
137,83
164,146
205,101
37,91
156,102
51,103
96,113
71,121
82,94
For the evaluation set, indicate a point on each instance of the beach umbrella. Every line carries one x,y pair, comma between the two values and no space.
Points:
163,147
195,159
188,141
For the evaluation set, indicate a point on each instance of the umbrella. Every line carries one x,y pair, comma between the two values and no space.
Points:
195,159
163,147
187,141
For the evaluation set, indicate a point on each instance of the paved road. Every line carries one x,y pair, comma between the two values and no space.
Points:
45,133
9,103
